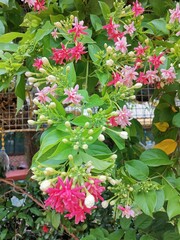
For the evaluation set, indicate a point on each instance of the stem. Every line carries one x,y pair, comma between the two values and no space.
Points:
87,73
37,202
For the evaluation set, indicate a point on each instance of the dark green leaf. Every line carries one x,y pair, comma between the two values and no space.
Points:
105,9
137,169
142,221
155,158
176,120
117,139
96,22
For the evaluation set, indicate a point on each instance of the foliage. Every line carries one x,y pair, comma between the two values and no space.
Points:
85,61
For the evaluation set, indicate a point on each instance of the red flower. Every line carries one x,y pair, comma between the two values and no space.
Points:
45,228
77,51
61,55
140,50
38,63
116,78
39,5
156,60
94,188
112,30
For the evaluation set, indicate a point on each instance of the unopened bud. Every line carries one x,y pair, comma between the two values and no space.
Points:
90,132
70,157
28,74
45,61
42,70
109,62
35,101
84,146
31,122
104,204
138,85
109,49
64,140
45,185
49,171
52,105
51,78
89,201
101,138
123,135
49,122
67,124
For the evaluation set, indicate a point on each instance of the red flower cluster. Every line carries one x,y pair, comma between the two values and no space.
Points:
60,56
68,198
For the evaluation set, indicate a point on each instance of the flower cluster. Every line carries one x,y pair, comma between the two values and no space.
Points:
38,5
74,200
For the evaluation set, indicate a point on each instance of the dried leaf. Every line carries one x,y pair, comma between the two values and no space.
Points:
162,126
167,145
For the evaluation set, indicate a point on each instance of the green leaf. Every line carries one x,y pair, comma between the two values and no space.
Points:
176,120
137,169
96,22
103,76
171,235
20,87
147,237
125,223
8,37
81,120
2,28
94,101
5,2
146,201
130,234
3,234
142,221
71,76
117,139
155,158
105,9
59,106
93,49
160,26
160,200
117,235
56,218
45,30
173,207
98,148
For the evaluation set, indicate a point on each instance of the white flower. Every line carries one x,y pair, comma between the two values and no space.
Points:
123,135
89,201
105,204
45,185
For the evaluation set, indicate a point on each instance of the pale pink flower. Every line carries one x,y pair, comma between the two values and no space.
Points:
42,96
175,14
130,29
168,74
121,45
127,212
73,96
152,76
61,55
129,75
122,118
137,8
77,51
54,34
78,29
178,34
29,2
140,50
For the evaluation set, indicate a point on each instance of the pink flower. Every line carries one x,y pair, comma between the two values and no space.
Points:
142,78
42,94
95,188
38,63
45,228
137,8
152,76
77,51
156,60
61,55
73,96
178,34
130,29
39,5
116,78
112,30
121,45
122,118
29,2
127,211
129,74
140,50
54,34
78,29
175,14
168,74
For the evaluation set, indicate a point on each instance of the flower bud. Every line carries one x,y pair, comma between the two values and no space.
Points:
75,147
67,124
36,84
68,68
42,70
64,140
35,101
104,204
123,135
138,85
131,54
42,118
58,24
102,178
101,138
49,121
28,74
32,79
89,201
45,185
70,157
90,132
109,49
31,122
90,138
45,61
52,105
86,125
85,146
109,63
114,156
49,171
51,78
112,202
